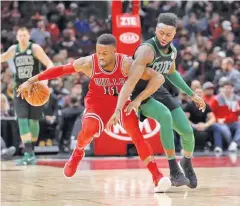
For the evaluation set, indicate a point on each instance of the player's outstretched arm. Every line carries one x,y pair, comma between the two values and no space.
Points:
175,78
9,54
144,55
83,64
155,80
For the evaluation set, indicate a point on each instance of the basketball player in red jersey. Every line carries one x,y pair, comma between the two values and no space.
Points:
108,71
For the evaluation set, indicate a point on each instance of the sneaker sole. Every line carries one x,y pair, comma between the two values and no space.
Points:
180,166
74,173
163,185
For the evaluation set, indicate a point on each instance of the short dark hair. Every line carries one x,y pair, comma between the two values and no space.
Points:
107,39
169,19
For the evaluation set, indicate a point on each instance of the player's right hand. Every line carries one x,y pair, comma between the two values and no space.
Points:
115,118
25,88
134,105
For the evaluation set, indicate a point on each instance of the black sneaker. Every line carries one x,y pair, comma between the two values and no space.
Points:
178,179
186,166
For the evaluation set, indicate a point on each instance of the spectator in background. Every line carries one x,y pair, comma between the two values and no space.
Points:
49,122
39,35
226,107
59,90
5,107
203,124
6,153
208,92
69,116
232,74
221,72
195,84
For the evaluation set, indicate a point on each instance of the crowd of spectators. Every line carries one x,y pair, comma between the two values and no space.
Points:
208,44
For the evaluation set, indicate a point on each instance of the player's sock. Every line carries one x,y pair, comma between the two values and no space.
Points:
156,110
25,134
182,126
130,124
34,129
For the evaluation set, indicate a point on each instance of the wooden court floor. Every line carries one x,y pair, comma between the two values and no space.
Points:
46,186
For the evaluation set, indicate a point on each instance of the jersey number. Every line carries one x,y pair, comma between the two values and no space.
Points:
25,72
111,90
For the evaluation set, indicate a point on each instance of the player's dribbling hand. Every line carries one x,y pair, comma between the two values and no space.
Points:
114,119
25,87
134,105
199,102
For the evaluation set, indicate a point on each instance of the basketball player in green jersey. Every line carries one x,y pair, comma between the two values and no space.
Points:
27,57
160,54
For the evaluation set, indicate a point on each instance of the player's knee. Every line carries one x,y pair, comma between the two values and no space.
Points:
90,128
188,133
34,122
165,116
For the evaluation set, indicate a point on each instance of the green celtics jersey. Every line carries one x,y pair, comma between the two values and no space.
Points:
26,64
162,62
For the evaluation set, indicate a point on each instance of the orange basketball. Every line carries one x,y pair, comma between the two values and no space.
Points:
40,94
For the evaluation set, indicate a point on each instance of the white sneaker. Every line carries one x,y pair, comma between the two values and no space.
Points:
218,151
233,157
163,185
233,147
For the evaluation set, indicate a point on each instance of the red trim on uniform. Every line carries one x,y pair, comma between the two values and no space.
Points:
93,66
95,116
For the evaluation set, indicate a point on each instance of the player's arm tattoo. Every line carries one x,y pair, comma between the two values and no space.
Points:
9,54
144,55
84,64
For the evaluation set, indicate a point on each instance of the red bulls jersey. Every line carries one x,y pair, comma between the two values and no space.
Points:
105,86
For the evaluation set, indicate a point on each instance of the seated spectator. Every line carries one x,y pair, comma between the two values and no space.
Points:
39,35
69,116
208,92
195,84
49,122
226,107
203,124
5,107
233,74
6,153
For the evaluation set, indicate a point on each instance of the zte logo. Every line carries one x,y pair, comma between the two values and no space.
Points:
128,21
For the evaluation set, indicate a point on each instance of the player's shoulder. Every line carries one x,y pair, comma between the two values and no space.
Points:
13,47
173,48
36,46
87,60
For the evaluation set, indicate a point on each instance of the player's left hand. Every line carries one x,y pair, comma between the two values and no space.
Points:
115,118
199,102
134,105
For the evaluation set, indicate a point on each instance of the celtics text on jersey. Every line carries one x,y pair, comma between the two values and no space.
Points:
27,65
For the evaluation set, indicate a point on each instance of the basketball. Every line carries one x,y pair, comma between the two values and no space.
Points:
40,94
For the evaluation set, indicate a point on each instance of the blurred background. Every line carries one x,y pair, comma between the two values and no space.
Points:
207,40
